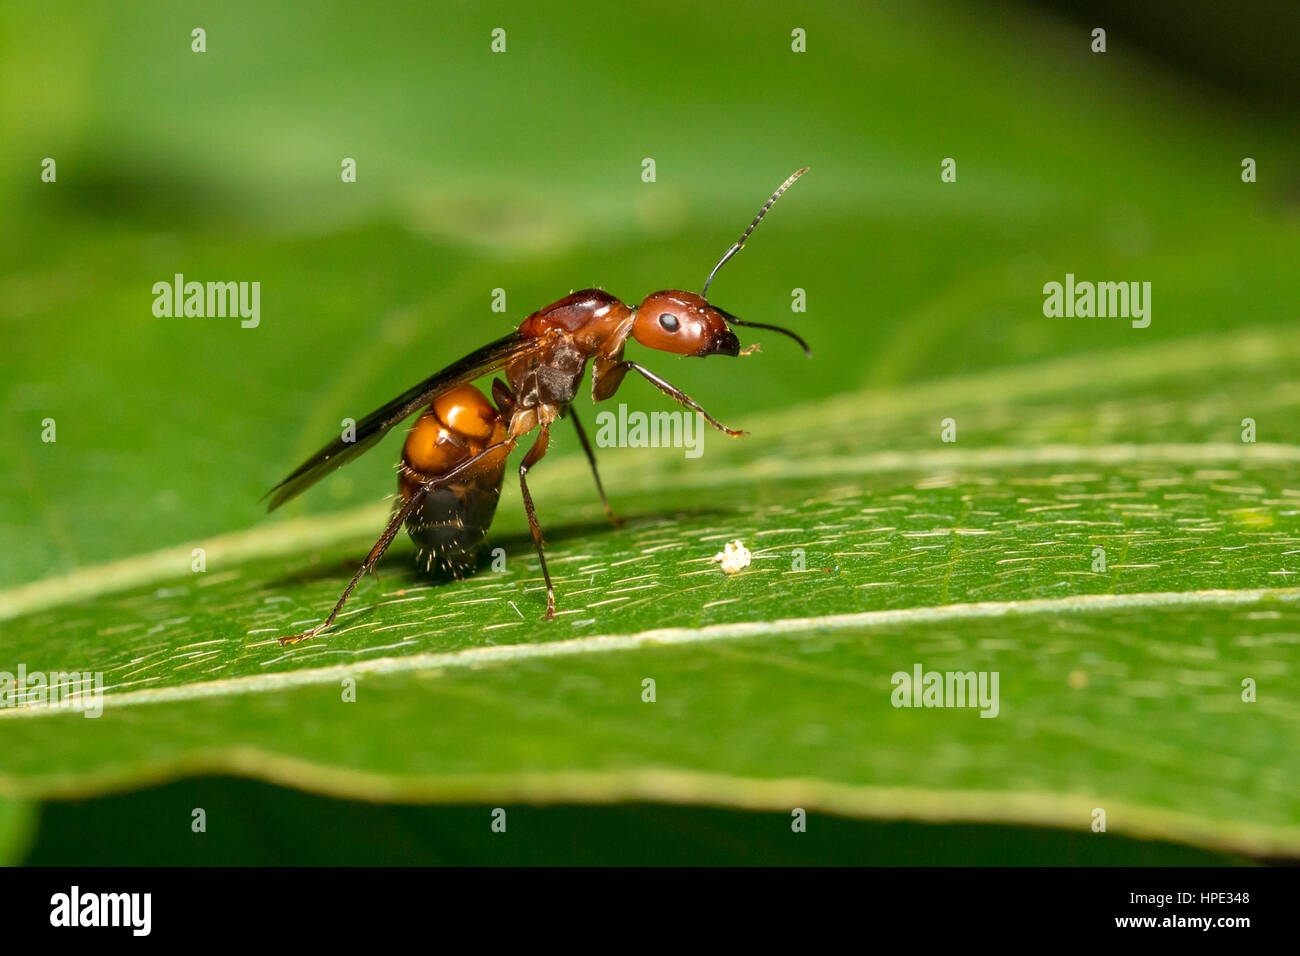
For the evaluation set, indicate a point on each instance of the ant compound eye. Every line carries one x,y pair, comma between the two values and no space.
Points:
668,321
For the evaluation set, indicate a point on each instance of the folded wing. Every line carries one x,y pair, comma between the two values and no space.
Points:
373,427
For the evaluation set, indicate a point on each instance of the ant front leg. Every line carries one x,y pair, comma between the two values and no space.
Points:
533,457
608,377
595,473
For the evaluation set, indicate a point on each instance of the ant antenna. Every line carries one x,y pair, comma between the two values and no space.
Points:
736,246
752,226
732,320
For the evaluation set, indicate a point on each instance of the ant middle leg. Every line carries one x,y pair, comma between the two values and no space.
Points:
533,457
595,473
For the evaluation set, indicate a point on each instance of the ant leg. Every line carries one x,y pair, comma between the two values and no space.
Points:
533,457
400,515
394,525
504,398
675,392
591,459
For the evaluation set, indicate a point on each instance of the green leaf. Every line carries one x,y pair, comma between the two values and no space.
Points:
17,829
1120,690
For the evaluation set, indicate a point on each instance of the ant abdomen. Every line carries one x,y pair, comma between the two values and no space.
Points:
451,519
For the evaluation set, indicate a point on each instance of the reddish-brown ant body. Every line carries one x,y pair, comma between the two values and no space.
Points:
454,459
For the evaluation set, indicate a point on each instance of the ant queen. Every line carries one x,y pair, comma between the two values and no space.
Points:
454,459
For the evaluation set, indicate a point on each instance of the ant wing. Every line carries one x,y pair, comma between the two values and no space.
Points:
374,426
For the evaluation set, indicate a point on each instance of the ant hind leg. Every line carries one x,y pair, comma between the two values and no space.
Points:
400,514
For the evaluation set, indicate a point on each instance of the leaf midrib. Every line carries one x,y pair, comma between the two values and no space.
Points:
609,643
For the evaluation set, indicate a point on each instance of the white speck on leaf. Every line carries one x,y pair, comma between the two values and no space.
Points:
733,557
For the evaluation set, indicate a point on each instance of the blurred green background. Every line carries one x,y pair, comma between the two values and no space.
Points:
522,171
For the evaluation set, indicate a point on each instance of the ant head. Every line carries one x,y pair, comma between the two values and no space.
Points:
684,324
